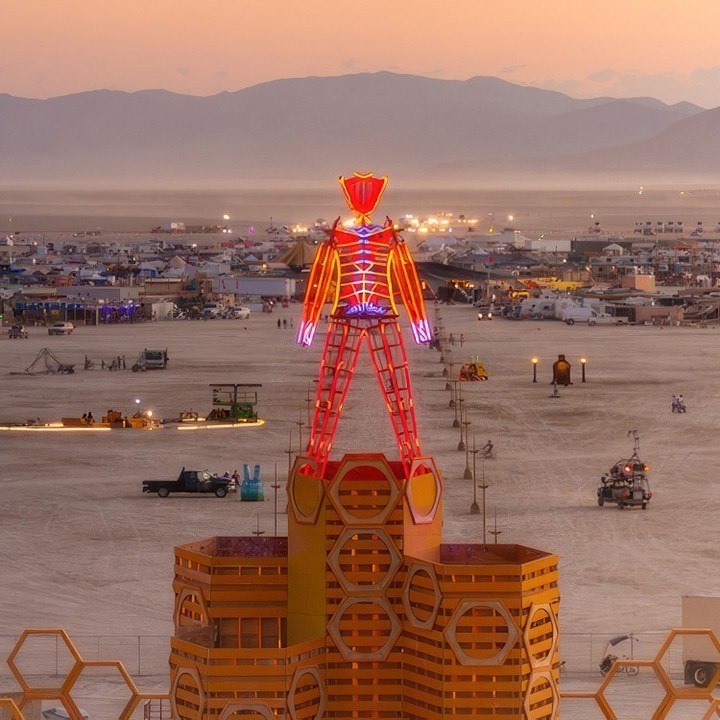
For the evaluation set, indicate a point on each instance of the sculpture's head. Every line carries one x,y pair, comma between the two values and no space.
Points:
362,194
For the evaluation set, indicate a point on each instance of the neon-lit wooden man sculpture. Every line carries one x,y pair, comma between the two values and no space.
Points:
364,266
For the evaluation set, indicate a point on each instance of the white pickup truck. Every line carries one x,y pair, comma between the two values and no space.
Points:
591,317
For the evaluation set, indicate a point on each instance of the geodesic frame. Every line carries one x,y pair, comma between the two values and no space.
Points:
673,694
134,692
9,704
44,693
63,692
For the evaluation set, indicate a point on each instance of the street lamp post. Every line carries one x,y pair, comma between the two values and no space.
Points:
534,364
474,508
290,450
453,392
299,422
583,363
458,403
275,486
466,445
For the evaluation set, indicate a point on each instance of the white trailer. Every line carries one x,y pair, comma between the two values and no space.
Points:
700,659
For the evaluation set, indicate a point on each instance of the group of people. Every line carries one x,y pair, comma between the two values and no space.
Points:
88,419
678,404
284,323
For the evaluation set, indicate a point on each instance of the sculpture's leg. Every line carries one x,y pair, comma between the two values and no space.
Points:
339,360
391,367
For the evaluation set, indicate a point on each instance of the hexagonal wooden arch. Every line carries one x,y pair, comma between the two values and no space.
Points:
251,706
603,702
333,628
688,693
538,675
537,664
144,696
314,672
713,711
333,560
418,517
312,517
352,463
9,704
134,692
193,673
501,655
415,568
39,693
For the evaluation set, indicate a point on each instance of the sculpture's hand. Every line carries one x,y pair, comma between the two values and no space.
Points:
421,331
305,334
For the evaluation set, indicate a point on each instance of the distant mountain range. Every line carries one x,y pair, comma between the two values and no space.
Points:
482,130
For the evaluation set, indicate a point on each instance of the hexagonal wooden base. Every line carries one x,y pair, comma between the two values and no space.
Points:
362,612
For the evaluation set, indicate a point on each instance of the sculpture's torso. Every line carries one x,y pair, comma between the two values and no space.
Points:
364,289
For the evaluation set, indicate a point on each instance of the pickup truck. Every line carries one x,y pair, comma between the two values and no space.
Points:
190,481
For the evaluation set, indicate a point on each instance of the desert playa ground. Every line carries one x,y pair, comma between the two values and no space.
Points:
82,548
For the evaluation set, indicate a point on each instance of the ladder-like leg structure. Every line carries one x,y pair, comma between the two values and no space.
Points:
389,360
339,360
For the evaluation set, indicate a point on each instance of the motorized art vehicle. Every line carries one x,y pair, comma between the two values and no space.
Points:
473,371
626,485
151,360
17,332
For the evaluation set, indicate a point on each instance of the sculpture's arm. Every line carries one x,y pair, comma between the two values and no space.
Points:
321,275
408,285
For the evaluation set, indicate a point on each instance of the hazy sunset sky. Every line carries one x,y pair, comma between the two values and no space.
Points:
663,48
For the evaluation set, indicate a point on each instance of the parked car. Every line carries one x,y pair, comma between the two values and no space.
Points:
190,481
591,317
61,328
211,310
240,313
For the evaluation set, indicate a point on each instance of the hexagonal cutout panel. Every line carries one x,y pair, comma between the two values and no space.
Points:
364,492
364,628
306,697
364,561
